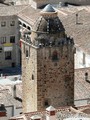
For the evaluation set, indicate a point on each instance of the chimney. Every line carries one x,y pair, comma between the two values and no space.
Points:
76,18
2,112
50,113
14,91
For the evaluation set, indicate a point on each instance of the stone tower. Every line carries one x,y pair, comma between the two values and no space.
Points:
47,64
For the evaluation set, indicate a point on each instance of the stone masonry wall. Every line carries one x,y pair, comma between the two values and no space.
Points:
46,81
29,75
55,78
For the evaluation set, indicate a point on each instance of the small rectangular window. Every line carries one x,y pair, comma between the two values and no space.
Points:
32,77
55,56
84,59
8,55
46,103
3,24
0,50
27,53
52,113
12,39
12,23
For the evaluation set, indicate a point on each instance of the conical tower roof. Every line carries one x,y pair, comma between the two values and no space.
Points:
49,22
48,8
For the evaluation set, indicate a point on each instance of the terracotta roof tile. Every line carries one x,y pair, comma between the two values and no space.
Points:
61,114
11,10
80,31
82,87
6,96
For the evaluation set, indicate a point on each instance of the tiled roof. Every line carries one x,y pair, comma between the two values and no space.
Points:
48,25
85,109
61,114
29,14
6,96
82,87
11,10
80,31
19,117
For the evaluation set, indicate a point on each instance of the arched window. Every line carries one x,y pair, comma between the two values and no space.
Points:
24,25
55,55
28,28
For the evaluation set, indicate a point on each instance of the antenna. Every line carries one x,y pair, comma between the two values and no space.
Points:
76,18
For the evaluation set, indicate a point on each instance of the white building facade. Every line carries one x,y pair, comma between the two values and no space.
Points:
9,41
82,59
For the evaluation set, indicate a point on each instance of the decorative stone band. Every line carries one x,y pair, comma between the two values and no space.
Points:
48,14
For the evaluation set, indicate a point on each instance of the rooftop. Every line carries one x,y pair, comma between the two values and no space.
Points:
6,95
79,29
61,113
80,32
11,10
10,80
82,87
48,8
48,22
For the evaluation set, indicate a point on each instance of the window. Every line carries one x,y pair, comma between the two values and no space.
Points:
28,28
19,23
84,59
24,25
32,77
67,81
3,24
52,113
86,76
46,102
12,23
8,55
55,55
26,53
3,40
12,39
0,50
